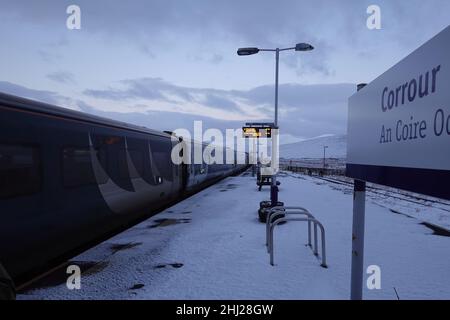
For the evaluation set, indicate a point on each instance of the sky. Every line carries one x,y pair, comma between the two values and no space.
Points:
167,63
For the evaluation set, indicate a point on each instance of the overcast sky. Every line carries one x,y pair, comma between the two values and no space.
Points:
166,63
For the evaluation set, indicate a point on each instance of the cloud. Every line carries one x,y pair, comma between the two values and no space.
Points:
204,25
149,42
159,89
163,120
155,94
209,29
305,110
147,51
39,95
49,56
221,101
214,59
62,77
45,96
147,88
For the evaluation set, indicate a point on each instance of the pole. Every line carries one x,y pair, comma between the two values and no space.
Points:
324,157
359,212
277,63
359,207
257,152
254,157
274,187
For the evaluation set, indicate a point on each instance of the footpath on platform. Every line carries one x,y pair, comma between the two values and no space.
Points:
212,246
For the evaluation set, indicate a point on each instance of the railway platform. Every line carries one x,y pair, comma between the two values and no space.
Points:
212,246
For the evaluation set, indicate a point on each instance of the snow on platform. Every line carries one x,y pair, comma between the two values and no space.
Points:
211,246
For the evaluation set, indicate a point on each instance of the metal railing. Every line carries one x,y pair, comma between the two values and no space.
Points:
277,215
280,211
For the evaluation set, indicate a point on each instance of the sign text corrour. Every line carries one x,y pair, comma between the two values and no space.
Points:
409,91
399,124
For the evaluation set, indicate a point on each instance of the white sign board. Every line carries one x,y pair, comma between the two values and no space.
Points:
399,124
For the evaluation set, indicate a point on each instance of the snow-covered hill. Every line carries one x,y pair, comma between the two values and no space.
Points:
313,148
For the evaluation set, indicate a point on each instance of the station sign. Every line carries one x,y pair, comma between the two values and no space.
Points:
399,124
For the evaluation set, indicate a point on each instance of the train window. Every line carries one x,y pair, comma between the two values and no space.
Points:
77,167
140,156
121,158
137,158
109,146
19,170
161,153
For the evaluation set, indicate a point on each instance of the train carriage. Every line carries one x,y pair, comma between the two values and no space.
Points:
68,178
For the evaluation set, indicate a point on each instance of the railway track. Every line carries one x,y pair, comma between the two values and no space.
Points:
393,193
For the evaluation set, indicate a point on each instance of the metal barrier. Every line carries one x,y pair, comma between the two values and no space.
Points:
280,211
314,170
278,215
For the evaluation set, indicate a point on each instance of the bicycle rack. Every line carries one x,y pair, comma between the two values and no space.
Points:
280,211
286,211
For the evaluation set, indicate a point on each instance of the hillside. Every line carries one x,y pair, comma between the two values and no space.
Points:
313,148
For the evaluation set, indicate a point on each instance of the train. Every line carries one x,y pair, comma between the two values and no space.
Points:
68,179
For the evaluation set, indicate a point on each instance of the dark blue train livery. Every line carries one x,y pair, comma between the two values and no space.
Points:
68,179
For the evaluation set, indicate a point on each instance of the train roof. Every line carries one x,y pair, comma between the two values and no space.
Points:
45,108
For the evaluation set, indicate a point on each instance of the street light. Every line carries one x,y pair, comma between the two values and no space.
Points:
303,47
253,50
247,51
299,47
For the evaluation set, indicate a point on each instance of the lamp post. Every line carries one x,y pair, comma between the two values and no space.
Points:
251,51
324,148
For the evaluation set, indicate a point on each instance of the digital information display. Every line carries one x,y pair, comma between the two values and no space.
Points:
257,132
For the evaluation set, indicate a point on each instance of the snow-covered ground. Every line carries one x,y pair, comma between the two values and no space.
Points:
211,246
313,148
